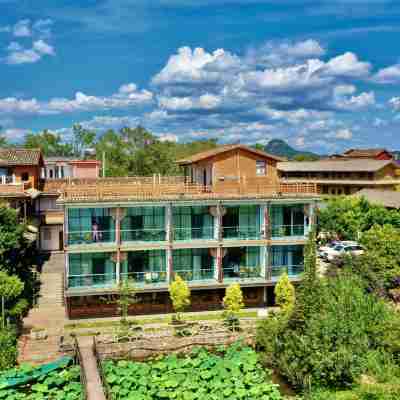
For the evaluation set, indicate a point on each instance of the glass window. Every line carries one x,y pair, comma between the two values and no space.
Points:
261,167
25,176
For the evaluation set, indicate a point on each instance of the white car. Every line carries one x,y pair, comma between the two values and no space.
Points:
342,248
323,250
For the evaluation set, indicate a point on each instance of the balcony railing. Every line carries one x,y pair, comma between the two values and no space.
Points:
241,273
143,235
278,231
292,270
193,233
92,280
145,278
91,237
240,232
191,275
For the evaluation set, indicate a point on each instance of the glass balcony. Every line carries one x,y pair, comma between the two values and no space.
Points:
293,271
191,275
241,273
194,233
280,231
241,232
146,278
90,237
92,281
143,235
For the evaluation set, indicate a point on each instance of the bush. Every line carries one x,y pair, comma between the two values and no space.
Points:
285,294
179,293
8,348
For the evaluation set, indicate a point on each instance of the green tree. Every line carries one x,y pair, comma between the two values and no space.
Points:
50,143
82,139
233,300
127,296
8,348
285,294
179,293
10,288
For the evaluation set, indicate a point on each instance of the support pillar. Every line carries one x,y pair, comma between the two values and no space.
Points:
170,266
118,267
169,223
267,222
219,222
268,264
219,269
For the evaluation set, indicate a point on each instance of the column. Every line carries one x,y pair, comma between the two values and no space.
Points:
66,271
268,263
266,223
263,261
118,226
219,269
169,223
219,222
118,267
170,267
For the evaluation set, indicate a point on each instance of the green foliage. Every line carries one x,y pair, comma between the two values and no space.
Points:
82,139
179,293
8,348
234,374
233,300
57,385
348,216
127,296
285,294
10,288
50,143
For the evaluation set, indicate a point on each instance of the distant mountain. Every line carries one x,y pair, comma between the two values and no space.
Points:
280,148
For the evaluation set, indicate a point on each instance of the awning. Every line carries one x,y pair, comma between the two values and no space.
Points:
54,218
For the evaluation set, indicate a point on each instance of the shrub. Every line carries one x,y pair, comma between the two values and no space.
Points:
233,300
179,293
8,348
285,294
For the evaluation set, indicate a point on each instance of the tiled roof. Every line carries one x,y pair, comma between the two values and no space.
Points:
222,149
363,152
388,198
11,157
349,165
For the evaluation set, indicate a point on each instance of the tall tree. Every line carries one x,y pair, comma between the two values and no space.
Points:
82,139
50,143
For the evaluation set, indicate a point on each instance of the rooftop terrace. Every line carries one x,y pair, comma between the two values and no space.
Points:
175,188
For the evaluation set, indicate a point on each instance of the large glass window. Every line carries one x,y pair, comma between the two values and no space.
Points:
288,259
90,225
193,264
145,267
144,224
242,222
192,223
242,263
91,270
288,220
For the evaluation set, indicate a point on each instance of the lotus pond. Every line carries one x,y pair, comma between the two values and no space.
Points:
233,373
57,385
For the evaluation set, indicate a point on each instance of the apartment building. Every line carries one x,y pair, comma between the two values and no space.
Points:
227,220
342,176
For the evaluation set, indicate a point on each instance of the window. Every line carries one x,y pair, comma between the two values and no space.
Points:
25,176
261,167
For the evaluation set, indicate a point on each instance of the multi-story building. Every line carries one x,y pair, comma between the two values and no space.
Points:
227,220
56,173
20,178
373,154
342,176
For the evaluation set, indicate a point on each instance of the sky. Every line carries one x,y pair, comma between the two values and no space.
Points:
324,75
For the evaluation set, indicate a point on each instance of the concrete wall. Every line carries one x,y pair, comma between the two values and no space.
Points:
50,237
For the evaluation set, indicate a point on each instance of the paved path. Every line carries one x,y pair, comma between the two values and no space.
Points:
93,381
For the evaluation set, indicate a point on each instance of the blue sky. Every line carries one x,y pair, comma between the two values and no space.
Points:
323,75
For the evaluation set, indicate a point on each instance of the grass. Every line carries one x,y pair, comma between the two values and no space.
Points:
155,320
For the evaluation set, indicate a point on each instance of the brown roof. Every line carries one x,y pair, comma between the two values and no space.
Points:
341,165
222,149
388,198
364,152
13,157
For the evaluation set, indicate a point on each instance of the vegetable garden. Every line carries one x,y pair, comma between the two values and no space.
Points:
57,385
232,372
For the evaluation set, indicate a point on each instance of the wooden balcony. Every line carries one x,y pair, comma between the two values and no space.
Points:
174,188
16,189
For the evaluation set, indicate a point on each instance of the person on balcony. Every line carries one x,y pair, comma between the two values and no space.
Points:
96,234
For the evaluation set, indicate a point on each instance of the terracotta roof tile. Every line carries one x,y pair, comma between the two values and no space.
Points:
11,157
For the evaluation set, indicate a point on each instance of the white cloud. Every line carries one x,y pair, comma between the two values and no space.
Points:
344,134
347,65
19,55
41,47
206,102
22,28
394,102
81,102
388,75
168,137
14,134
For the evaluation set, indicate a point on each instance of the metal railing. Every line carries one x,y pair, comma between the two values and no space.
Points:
242,272
89,237
92,280
145,278
190,275
143,235
291,270
287,230
241,232
193,233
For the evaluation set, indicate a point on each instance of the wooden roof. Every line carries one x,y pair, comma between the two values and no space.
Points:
365,152
15,157
223,149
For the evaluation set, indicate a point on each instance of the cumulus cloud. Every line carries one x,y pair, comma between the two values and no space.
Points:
81,102
394,102
22,28
344,134
388,75
347,65
19,55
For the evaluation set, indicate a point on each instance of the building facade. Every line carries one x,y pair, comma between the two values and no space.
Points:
151,229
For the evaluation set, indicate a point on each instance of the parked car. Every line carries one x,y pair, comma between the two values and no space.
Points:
322,250
343,248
